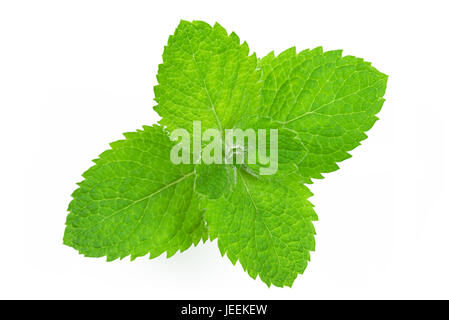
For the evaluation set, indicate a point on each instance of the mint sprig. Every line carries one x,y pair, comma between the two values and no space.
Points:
135,201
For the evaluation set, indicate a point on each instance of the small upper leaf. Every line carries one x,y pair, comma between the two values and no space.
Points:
206,75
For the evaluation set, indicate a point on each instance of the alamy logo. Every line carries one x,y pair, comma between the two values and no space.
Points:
240,147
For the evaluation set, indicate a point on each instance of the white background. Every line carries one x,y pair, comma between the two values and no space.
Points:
74,75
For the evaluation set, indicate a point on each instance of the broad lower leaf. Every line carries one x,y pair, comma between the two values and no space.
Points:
134,201
266,224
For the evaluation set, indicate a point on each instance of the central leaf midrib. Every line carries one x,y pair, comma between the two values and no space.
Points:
212,107
261,218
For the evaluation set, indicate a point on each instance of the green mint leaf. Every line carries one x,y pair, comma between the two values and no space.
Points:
266,224
206,76
135,201
328,100
212,180
290,148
